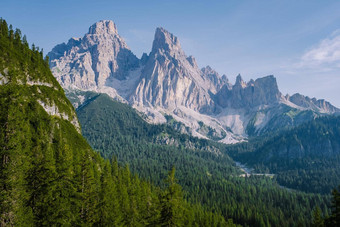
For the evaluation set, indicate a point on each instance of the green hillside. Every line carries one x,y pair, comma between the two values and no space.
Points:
306,158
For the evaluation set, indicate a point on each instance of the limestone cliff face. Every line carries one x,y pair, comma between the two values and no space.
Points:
170,78
86,63
168,82
214,81
263,91
319,105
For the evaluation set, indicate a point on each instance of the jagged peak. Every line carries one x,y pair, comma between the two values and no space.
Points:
207,68
144,58
298,95
316,104
192,61
239,80
225,78
73,41
165,40
251,82
103,27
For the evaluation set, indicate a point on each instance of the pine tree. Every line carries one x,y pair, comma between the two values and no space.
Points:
317,218
88,195
171,203
335,217
108,208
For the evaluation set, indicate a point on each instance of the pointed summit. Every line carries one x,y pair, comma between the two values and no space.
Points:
102,27
192,61
239,81
87,63
165,40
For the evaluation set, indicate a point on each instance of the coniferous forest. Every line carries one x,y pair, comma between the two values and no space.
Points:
126,172
207,177
305,158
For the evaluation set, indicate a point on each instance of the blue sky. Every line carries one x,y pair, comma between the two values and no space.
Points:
297,41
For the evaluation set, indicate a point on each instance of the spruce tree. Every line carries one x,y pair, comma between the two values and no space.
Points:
171,203
317,218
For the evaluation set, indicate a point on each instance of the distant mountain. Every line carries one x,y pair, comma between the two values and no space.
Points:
261,92
306,157
168,82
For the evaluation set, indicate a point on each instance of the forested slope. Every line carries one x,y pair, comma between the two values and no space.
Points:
306,158
207,174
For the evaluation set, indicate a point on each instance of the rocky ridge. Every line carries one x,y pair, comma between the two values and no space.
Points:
168,82
87,63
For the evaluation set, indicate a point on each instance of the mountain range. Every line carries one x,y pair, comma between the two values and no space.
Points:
168,82
51,175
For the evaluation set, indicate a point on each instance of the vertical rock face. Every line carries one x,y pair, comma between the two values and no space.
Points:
312,103
167,81
263,91
170,78
213,79
88,62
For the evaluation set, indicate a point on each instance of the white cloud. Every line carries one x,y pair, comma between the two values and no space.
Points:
325,55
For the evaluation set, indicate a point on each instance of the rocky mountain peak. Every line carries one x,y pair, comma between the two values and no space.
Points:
192,61
319,105
268,82
225,78
170,79
144,58
166,41
262,91
89,62
207,70
74,41
167,81
239,81
103,27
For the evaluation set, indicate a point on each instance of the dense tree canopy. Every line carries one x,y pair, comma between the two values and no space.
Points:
305,158
208,176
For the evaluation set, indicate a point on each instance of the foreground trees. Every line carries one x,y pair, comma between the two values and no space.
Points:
334,219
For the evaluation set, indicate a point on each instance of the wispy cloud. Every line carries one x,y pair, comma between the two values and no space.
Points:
324,56
316,72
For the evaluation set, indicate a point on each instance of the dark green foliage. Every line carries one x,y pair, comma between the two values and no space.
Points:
171,207
207,176
49,175
306,158
317,218
334,219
